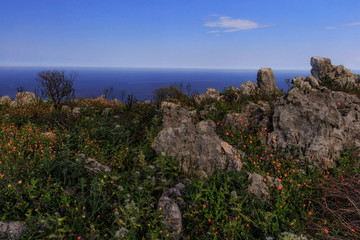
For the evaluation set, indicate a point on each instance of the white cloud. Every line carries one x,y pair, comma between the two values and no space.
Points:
352,24
232,25
344,25
217,31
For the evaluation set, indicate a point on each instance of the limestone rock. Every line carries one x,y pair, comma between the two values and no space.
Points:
317,123
23,98
65,108
106,112
248,88
259,185
266,80
102,97
5,100
339,76
95,167
10,230
211,93
169,207
252,116
76,111
196,146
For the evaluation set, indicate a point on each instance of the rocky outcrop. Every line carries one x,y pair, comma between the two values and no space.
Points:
211,93
196,146
76,111
336,76
11,230
65,108
266,81
248,88
169,207
259,185
23,98
91,165
253,116
318,123
5,100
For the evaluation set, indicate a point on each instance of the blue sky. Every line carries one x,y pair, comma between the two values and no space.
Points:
234,34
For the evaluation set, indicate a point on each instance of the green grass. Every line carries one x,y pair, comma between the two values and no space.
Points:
44,183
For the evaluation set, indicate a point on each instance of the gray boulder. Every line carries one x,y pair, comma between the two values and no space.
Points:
259,185
266,80
76,111
318,123
253,116
169,207
65,108
5,100
10,230
248,88
339,76
95,167
196,146
23,98
211,93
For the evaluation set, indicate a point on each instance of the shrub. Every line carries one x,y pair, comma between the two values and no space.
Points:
56,86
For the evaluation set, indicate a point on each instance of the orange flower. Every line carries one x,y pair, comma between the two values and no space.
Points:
326,231
204,206
209,220
310,212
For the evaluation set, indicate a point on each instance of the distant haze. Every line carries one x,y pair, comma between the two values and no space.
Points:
230,34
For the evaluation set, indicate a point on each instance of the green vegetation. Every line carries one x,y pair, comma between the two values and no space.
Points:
45,184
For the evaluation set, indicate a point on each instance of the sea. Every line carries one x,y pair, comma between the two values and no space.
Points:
93,82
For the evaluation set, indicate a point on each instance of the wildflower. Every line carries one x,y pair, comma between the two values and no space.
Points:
204,206
310,212
209,220
326,231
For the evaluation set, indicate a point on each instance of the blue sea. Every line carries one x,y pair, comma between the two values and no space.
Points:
140,82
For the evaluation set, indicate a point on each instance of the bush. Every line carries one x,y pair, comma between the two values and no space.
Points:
56,86
161,94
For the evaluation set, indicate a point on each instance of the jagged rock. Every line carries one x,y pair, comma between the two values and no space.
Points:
5,100
106,112
211,93
65,108
95,167
23,98
259,185
10,230
318,123
266,80
49,135
169,207
196,146
323,70
248,88
115,101
102,97
76,111
252,116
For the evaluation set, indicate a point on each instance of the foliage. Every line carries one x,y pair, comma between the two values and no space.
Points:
44,182
53,84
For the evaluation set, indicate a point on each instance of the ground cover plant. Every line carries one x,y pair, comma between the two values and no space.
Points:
45,184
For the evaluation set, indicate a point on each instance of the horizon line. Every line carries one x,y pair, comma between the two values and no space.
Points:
156,68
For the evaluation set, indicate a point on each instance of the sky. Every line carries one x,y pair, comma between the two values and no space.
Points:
215,34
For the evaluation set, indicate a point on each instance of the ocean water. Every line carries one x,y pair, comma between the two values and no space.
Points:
140,82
